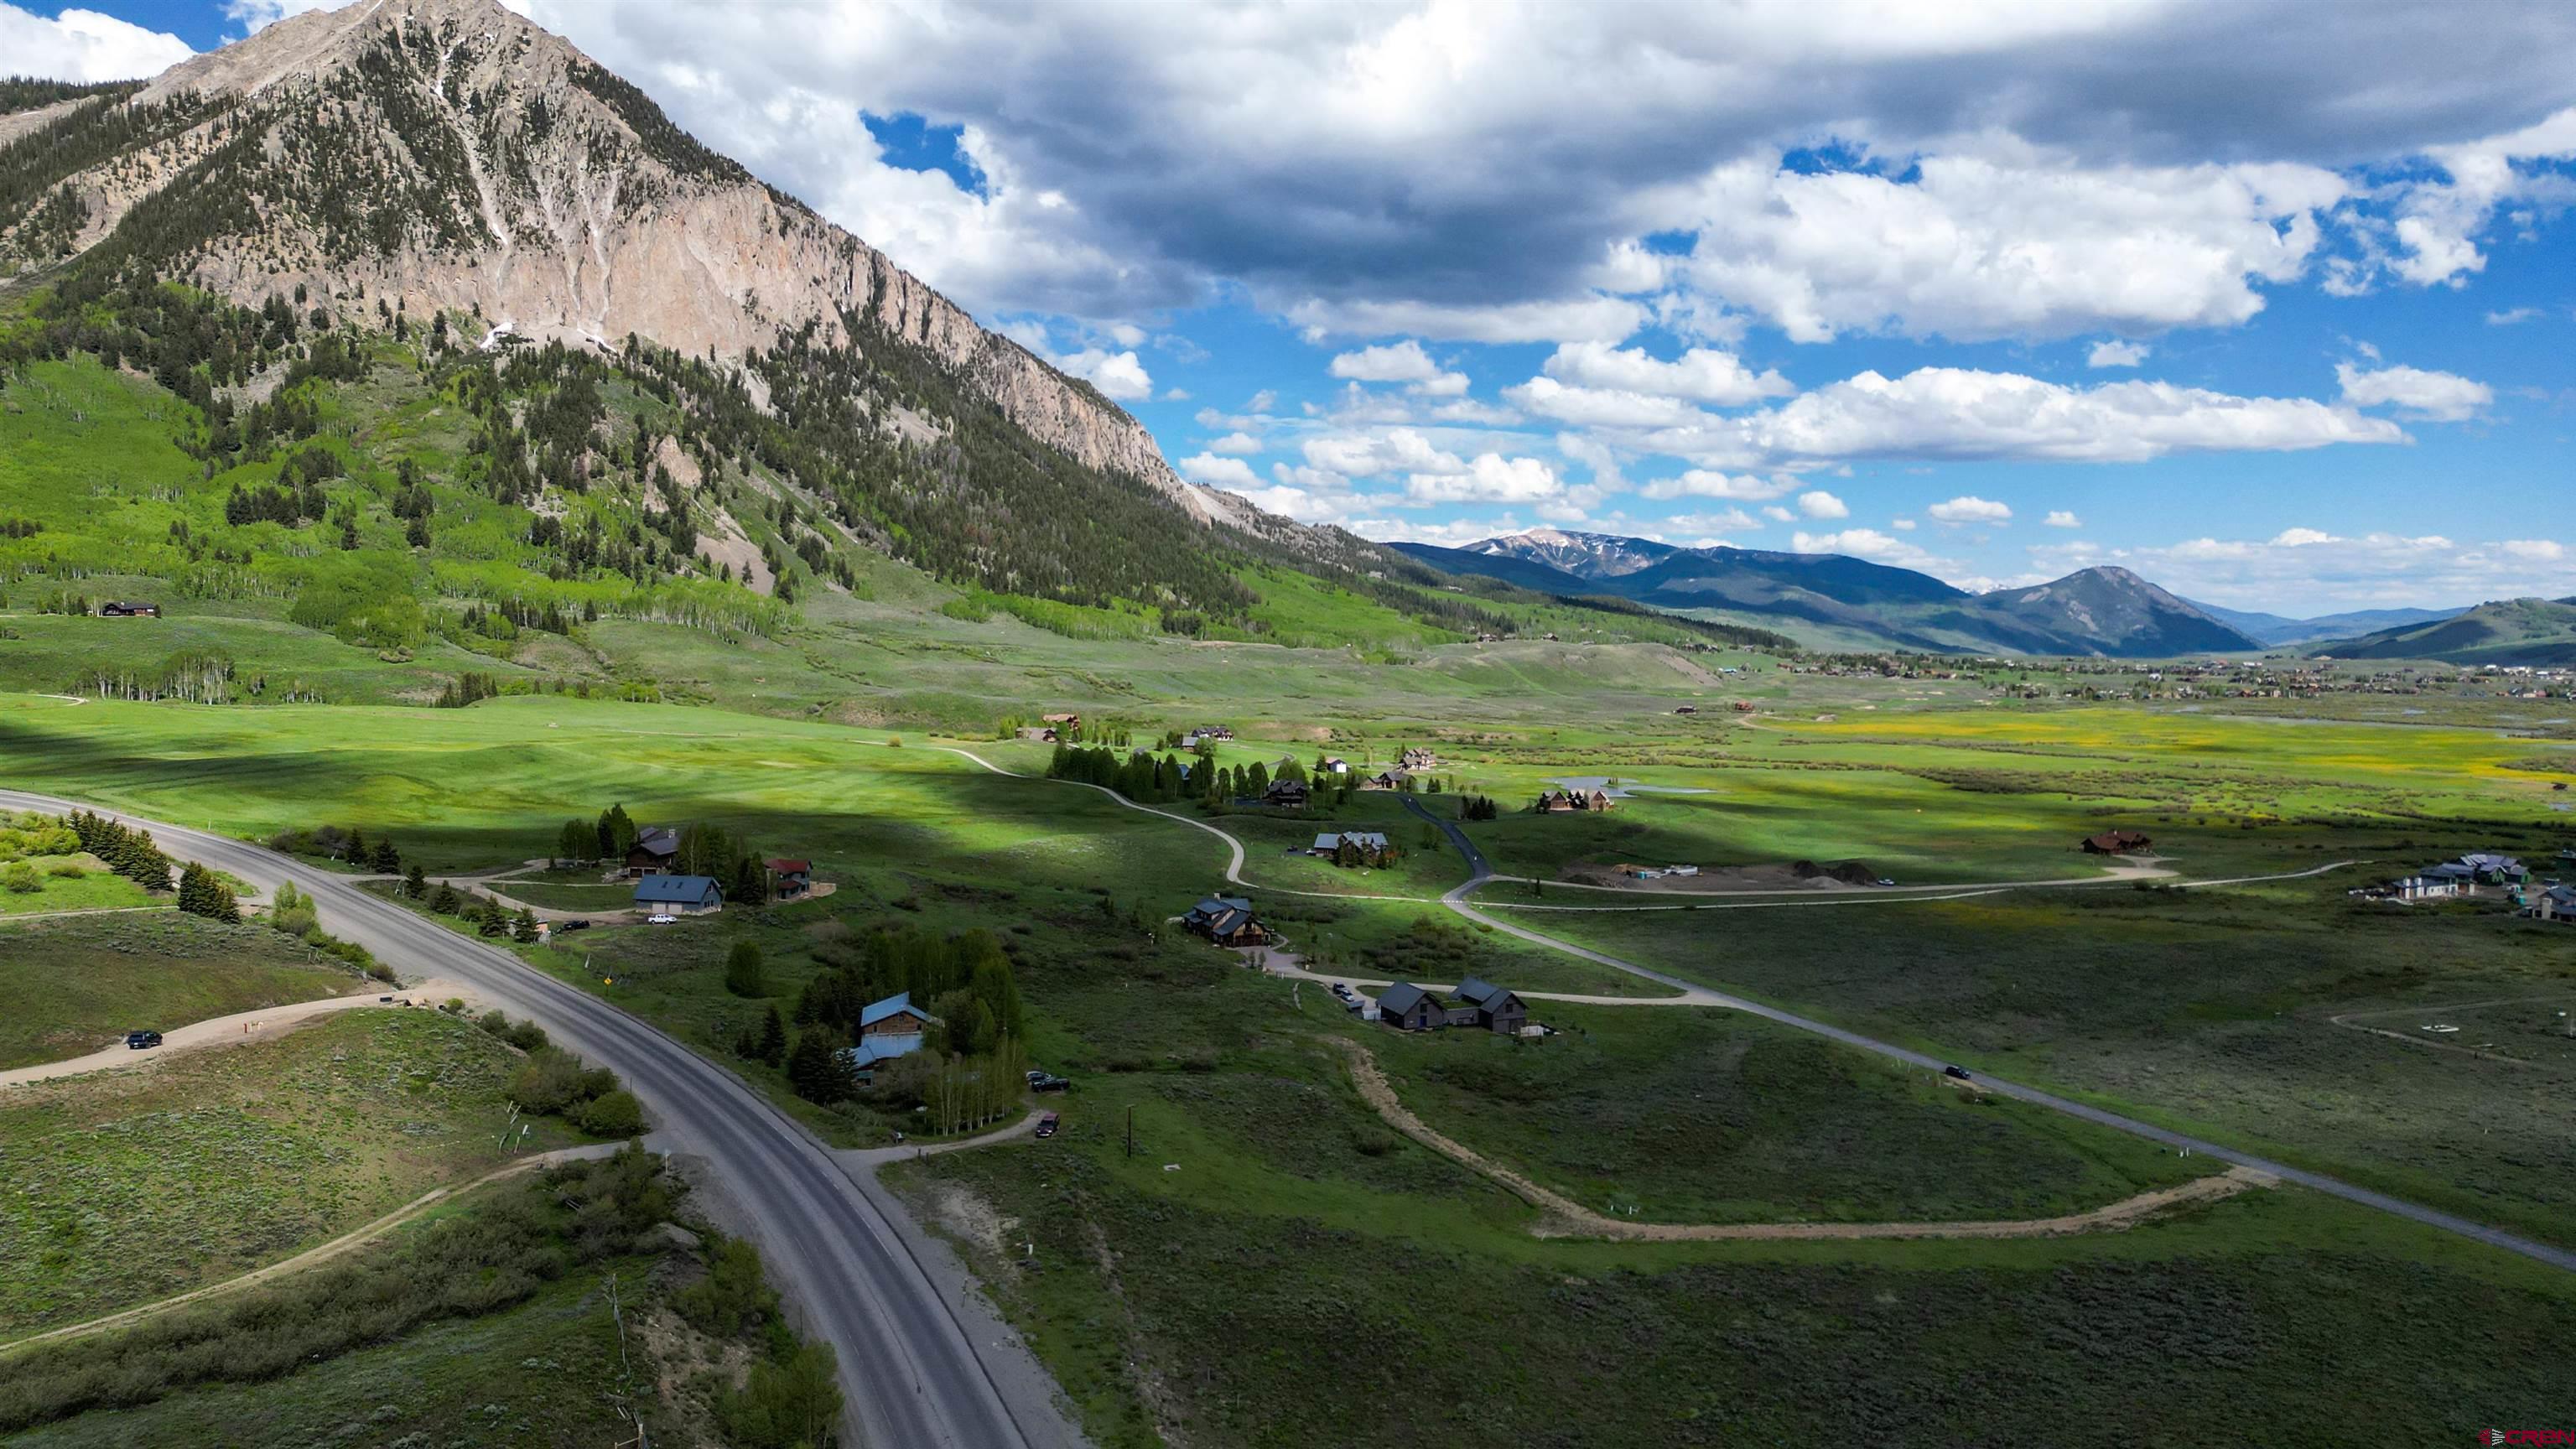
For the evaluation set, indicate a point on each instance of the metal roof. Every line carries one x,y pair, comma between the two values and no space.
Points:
1401,997
677,888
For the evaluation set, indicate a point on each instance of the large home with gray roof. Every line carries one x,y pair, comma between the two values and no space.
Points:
1226,920
679,895
1497,1009
1408,1007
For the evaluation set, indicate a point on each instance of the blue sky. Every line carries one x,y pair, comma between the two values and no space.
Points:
2279,316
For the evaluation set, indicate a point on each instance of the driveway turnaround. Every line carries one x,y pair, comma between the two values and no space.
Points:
919,1368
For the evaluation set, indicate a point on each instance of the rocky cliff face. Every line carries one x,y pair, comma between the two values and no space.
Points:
447,155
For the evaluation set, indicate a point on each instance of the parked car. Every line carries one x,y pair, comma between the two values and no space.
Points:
1047,1125
1960,1072
1049,1082
1885,880
661,920
142,1040
577,923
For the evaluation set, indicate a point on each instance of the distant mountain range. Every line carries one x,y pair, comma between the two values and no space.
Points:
1837,601
2508,631
2275,630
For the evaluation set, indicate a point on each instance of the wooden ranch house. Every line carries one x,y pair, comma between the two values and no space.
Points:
1408,1007
888,1029
678,895
1289,794
1497,1010
1557,802
114,609
2115,842
1226,920
789,878
655,847
1419,760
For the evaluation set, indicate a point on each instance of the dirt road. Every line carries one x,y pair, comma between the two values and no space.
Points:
239,1029
1566,1218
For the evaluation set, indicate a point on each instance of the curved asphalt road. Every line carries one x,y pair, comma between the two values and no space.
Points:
1479,872
912,1373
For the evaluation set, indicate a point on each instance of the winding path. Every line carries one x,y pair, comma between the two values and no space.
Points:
1564,1217
924,1361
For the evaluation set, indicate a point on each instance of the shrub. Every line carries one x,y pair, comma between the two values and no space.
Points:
743,974
611,1114
66,870
21,878
731,1300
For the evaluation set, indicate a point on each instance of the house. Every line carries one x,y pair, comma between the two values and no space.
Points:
1070,721
1042,734
2115,842
888,1029
1408,1007
1336,765
1418,759
1496,1009
2420,888
114,609
1556,802
1395,779
2557,903
655,847
2492,868
1226,920
1288,793
1371,844
789,879
678,895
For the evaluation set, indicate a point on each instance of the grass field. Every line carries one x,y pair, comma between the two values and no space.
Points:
2205,1009
132,1186
1695,1115
73,984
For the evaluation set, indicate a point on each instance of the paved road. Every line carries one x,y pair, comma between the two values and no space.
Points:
1479,872
918,1369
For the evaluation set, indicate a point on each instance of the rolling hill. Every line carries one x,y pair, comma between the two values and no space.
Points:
2505,632
2276,630
1833,598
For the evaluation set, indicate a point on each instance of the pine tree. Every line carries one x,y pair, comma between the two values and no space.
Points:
524,929
385,858
445,901
415,881
813,1071
202,894
772,1047
356,849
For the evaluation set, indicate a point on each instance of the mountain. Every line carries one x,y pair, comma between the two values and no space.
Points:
2505,632
1584,555
2275,629
469,336
2099,611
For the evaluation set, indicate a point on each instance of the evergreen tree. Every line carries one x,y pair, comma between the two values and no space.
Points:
524,929
813,1071
355,852
445,901
385,858
772,1047
415,881
202,894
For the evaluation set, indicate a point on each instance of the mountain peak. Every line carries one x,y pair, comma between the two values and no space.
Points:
451,156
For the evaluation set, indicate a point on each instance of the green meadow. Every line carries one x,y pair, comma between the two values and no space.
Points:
71,985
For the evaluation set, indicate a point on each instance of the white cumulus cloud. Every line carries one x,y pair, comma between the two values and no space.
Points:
2060,518
1700,374
2116,354
1968,508
1117,374
1216,472
1821,504
83,45
2441,397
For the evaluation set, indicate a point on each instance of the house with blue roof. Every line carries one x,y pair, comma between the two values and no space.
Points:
888,1029
678,895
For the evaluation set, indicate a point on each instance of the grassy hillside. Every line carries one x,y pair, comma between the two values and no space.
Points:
2527,632
70,986
126,1187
